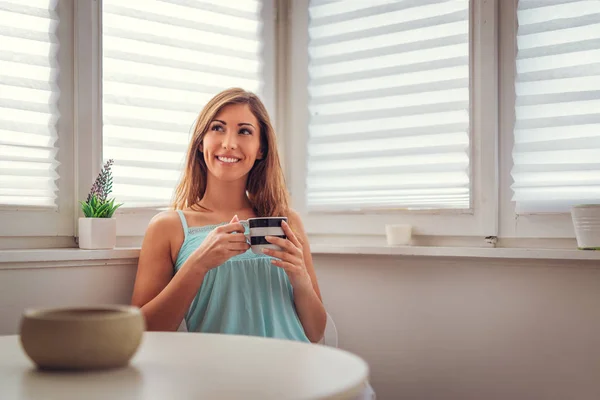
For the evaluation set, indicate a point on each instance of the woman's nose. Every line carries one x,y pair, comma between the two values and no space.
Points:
229,141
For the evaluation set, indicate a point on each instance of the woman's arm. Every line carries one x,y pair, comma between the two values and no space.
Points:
297,262
162,297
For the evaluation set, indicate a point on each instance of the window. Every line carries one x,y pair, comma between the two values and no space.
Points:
389,105
556,150
29,111
549,115
401,125
463,118
161,62
35,118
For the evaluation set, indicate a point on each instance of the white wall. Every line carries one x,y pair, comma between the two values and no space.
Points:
61,286
469,329
429,328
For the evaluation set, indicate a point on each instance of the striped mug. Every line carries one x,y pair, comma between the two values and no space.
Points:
260,227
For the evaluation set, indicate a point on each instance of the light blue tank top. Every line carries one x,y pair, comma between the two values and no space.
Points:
246,295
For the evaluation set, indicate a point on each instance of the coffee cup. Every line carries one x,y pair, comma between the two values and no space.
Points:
260,227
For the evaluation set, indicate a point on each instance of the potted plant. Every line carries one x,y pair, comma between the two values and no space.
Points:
98,229
586,221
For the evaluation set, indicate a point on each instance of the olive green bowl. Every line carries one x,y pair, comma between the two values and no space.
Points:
82,338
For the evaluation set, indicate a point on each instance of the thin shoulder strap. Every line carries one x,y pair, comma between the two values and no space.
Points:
183,223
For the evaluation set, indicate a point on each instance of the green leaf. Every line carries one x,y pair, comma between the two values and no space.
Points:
87,210
94,202
102,210
113,209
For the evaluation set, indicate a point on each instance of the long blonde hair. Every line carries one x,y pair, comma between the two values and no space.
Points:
265,187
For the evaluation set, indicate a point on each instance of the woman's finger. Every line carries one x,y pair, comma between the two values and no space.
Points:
232,227
282,255
290,234
236,238
233,253
238,246
284,244
286,266
281,242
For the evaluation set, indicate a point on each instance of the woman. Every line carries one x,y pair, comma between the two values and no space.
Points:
195,264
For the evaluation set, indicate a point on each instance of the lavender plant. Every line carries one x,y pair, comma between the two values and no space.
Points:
97,204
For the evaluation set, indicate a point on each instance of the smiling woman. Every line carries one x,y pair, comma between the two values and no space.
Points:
231,145
204,273
234,126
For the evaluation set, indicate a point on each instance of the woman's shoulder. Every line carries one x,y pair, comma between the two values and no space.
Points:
295,218
295,222
165,221
164,234
165,217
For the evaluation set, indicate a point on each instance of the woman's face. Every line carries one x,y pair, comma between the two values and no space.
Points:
232,143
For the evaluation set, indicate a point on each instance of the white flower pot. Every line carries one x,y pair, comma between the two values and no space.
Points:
97,233
586,221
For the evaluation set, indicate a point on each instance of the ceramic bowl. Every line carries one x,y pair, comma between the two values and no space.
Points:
82,338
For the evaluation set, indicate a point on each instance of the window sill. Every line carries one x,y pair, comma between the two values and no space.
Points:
129,255
458,252
67,256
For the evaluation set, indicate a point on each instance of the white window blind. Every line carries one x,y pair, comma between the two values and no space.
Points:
162,61
28,103
389,105
557,130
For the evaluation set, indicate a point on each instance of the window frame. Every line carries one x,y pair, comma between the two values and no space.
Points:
513,225
133,221
493,49
24,221
481,219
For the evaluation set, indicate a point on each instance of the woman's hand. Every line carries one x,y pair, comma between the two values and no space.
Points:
291,259
220,245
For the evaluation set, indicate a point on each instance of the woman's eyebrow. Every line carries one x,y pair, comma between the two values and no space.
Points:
240,124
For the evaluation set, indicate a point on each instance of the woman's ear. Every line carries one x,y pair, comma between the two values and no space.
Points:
201,148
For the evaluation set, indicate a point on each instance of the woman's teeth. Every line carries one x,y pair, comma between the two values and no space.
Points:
228,159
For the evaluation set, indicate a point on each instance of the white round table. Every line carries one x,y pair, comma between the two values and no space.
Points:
178,365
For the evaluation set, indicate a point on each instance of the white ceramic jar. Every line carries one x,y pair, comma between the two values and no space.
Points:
97,233
586,221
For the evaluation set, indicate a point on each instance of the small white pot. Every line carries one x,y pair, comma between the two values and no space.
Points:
586,221
398,234
97,233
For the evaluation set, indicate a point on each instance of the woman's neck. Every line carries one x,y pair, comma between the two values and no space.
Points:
226,197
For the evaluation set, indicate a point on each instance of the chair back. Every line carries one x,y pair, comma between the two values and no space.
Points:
330,338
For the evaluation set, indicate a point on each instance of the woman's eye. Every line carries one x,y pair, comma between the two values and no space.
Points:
245,131
217,128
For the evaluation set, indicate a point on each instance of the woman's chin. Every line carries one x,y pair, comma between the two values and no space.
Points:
230,176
